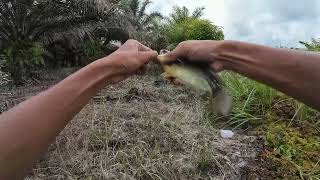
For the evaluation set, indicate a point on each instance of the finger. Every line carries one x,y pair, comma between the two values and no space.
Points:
217,66
179,52
147,56
142,47
166,58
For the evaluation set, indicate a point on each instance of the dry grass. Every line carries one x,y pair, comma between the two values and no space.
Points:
135,130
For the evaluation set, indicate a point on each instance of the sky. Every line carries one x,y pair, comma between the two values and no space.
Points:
267,22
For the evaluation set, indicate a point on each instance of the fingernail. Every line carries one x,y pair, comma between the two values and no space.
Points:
161,55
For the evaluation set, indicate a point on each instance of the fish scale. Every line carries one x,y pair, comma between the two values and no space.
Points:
201,78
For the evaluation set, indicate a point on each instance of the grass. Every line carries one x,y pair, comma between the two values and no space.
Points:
290,128
135,130
139,130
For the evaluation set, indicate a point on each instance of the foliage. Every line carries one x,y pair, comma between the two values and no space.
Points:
251,100
181,14
204,30
94,49
21,58
156,38
48,21
141,20
53,22
314,45
147,25
295,148
254,101
4,77
184,25
291,129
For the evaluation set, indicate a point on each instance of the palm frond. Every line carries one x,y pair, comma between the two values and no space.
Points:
198,12
134,6
152,16
51,20
143,8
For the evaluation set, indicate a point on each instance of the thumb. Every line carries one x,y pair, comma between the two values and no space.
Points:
167,57
148,55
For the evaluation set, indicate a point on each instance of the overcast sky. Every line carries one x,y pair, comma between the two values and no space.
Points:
269,22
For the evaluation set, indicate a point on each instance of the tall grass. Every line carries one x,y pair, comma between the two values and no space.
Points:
254,101
257,105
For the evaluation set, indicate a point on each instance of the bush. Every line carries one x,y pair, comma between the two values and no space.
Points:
199,29
314,45
21,58
193,29
93,49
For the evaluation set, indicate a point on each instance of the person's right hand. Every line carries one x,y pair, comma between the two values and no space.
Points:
202,51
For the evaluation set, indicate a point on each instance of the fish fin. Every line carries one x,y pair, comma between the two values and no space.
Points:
173,80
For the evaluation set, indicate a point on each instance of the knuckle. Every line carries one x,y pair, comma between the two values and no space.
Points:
131,41
184,47
183,44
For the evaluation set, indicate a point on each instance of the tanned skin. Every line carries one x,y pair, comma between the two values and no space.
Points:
27,129
293,72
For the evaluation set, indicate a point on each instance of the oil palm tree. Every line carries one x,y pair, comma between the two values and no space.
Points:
142,21
50,20
26,25
180,14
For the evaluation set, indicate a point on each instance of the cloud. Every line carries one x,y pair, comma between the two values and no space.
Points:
268,22
272,22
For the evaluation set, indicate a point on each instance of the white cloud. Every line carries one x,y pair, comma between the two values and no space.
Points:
214,8
269,22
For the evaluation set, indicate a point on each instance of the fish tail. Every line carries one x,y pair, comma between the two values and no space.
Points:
222,103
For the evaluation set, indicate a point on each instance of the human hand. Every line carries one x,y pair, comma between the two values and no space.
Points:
197,51
130,59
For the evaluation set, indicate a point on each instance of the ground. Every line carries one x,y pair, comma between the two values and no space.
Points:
144,128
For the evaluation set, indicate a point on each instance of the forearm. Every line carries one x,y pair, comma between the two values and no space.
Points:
292,72
26,130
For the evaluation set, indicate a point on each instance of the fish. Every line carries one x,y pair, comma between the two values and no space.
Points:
201,78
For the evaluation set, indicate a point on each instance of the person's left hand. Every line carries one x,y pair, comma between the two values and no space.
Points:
130,59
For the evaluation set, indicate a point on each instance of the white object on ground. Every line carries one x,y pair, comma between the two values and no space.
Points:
227,134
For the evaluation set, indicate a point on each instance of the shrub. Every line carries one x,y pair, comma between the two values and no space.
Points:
193,29
21,58
93,49
314,45
199,29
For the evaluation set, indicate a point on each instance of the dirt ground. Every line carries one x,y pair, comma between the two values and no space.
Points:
144,128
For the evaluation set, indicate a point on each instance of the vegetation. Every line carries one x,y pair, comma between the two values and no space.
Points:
55,26
184,25
314,45
52,34
291,129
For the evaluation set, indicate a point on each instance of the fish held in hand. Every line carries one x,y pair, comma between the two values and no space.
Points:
200,77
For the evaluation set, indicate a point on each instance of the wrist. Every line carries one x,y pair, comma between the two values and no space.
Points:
110,65
233,53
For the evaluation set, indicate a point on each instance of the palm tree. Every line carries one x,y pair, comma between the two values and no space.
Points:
143,22
185,25
182,13
26,23
50,20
